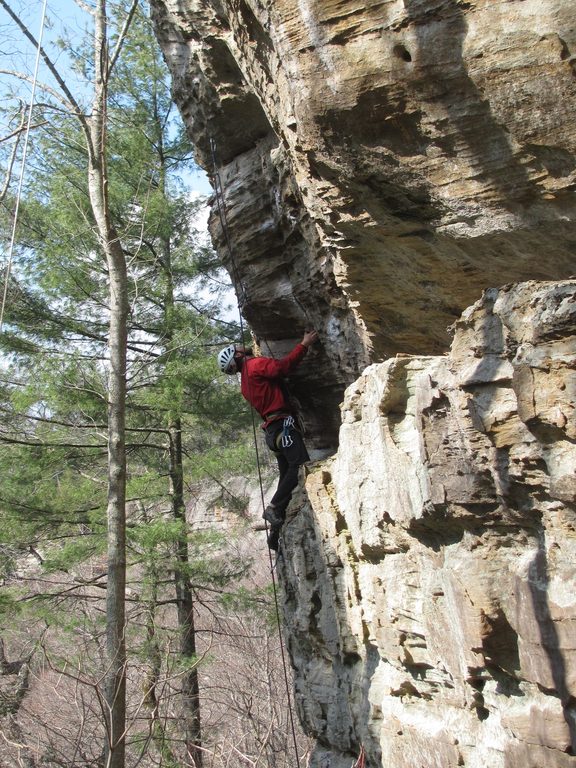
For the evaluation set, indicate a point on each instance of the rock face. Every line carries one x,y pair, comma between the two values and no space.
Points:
429,580
381,162
379,166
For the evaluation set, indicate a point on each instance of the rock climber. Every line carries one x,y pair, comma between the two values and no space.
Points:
262,386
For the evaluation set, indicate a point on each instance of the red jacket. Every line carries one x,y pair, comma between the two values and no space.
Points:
261,381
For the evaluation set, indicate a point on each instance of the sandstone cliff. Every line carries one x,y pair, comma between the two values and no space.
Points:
429,578
383,165
382,162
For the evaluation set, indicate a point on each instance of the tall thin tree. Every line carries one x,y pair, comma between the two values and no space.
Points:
94,131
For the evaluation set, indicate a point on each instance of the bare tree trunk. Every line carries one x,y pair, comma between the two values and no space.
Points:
183,587
185,602
115,684
116,586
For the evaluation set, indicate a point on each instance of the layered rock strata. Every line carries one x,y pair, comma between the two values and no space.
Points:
429,575
381,163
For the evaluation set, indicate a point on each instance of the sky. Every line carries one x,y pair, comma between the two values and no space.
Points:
51,20
61,17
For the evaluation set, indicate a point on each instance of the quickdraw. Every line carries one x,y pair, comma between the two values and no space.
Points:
287,425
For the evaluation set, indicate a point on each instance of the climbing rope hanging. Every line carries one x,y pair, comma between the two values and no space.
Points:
10,255
361,762
219,195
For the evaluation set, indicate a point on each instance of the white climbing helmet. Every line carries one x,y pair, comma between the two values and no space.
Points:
225,357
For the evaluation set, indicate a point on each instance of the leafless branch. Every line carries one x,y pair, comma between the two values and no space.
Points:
122,36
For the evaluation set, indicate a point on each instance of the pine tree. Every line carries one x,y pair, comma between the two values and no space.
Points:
56,398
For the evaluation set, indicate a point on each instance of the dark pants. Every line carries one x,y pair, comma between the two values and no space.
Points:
285,440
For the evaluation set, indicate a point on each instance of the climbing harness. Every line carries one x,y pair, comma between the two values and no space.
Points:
10,257
241,301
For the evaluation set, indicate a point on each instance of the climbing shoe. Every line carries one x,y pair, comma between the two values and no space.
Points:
273,516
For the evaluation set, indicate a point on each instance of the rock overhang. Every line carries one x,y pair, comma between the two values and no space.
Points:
381,164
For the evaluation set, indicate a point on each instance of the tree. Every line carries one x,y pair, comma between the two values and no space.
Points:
144,227
93,128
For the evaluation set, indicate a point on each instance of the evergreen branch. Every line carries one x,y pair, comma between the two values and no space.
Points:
13,154
43,86
47,511
71,425
46,444
155,446
11,162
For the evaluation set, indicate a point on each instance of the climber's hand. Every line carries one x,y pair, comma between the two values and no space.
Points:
309,338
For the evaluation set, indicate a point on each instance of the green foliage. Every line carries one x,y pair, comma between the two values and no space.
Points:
9,605
156,534
220,460
72,552
256,601
53,388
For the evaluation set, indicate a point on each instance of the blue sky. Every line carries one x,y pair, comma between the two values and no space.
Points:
63,17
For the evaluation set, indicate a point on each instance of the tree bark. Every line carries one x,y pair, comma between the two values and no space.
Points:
115,683
182,583
185,603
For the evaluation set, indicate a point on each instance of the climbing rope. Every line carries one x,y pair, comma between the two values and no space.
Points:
361,762
10,256
241,301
